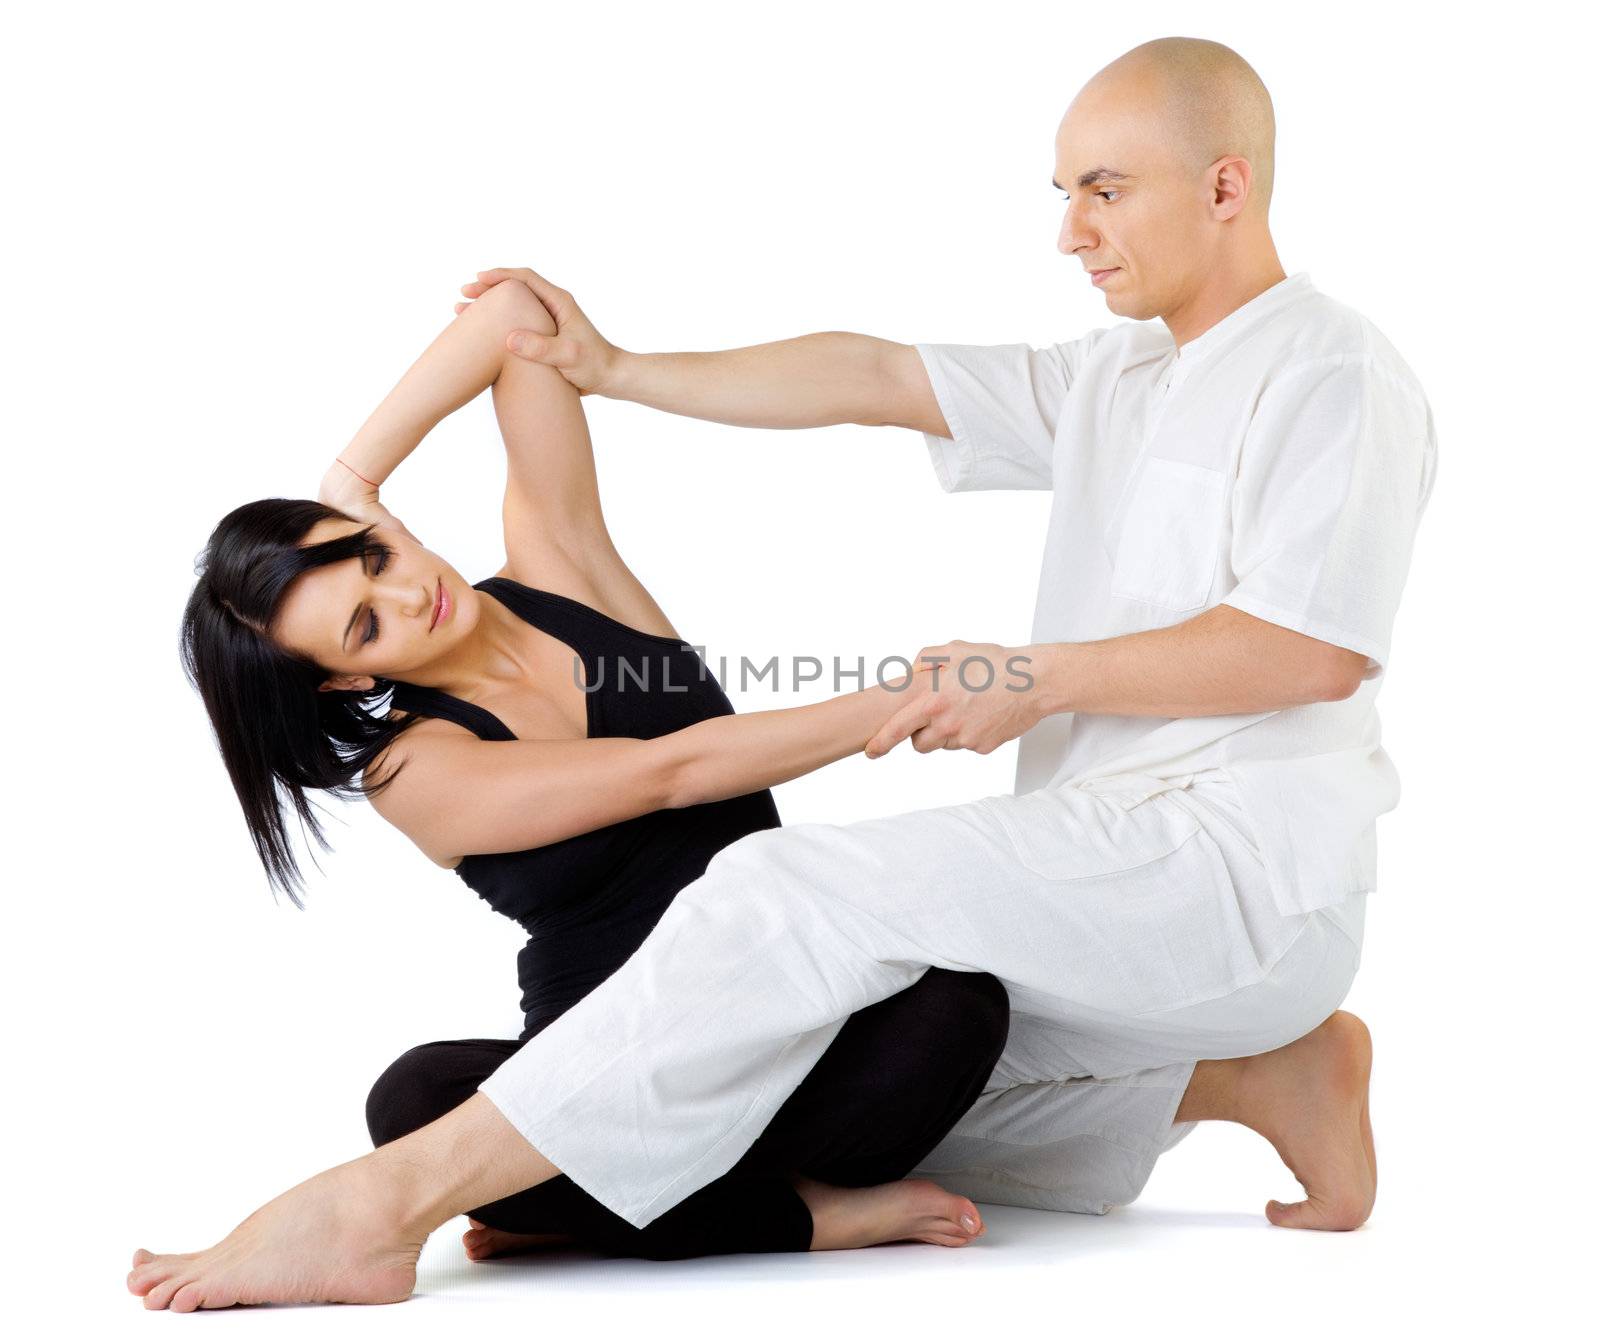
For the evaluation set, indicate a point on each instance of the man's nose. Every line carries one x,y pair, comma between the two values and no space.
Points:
1073,236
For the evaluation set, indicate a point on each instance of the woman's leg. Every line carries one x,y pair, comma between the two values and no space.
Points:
892,1084
732,1215
896,1079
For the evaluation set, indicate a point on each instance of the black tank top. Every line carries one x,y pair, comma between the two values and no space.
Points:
589,901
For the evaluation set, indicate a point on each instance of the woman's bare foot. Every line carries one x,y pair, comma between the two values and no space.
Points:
331,1238
1309,1100
487,1242
847,1219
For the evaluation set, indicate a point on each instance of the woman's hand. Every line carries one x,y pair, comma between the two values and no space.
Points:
577,350
966,695
358,499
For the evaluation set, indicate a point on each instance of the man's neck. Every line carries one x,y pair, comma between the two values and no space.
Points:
1222,295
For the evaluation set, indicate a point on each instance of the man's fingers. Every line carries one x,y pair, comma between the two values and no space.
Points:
558,301
901,725
528,344
551,350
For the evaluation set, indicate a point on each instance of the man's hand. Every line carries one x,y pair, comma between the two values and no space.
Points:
577,350
976,696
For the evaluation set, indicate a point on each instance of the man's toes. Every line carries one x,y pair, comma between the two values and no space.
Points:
142,1257
1310,1214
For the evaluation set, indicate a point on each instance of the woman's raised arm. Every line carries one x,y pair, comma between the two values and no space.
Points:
550,461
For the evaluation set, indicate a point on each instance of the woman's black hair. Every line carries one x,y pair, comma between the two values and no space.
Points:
274,728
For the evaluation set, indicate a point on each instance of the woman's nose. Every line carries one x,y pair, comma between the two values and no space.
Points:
409,597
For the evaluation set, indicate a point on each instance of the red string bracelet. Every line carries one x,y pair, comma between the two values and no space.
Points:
362,477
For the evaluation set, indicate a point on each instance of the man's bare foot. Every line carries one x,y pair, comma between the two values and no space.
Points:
487,1242
331,1238
1309,1100
847,1219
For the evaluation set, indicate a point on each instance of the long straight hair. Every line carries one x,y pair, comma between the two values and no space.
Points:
279,736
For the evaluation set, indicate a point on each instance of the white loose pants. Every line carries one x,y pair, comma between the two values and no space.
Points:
1129,919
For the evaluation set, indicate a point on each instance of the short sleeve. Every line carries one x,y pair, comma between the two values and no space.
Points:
1335,472
1002,403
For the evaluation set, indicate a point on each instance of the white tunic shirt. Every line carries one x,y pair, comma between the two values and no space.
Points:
1280,463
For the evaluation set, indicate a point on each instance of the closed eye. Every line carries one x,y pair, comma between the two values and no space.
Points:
1101,193
384,554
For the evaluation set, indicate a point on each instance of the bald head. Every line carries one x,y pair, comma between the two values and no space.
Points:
1201,98
1165,156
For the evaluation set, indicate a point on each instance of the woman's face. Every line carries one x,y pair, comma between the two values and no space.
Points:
373,617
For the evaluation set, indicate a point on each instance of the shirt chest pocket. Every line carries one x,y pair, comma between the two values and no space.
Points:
1166,550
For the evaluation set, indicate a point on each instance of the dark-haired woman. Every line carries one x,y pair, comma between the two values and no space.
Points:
553,740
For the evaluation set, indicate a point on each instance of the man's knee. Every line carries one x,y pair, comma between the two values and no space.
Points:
754,875
751,850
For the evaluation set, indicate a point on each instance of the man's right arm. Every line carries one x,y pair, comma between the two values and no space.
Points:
815,380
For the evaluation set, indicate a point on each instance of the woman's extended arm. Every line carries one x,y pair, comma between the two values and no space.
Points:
473,796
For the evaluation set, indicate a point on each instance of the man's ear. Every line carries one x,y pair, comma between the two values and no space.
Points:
347,683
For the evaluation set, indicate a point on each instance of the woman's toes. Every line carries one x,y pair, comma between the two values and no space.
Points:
158,1296
186,1299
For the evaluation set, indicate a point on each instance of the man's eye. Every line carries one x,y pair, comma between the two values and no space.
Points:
1067,199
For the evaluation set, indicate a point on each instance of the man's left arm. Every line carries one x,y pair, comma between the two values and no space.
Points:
1220,662
1336,470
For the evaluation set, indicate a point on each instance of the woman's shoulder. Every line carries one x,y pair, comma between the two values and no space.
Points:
599,580
416,747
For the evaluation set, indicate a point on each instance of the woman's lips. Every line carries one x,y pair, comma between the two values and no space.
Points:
441,606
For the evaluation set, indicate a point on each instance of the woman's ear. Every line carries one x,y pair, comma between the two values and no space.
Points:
347,683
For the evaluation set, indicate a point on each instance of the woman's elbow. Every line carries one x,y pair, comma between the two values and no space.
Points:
512,305
676,776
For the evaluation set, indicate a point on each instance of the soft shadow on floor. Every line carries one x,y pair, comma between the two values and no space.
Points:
1017,1237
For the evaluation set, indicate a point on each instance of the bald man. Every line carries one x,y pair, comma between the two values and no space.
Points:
1173,896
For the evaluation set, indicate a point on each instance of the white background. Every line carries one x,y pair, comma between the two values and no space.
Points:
235,228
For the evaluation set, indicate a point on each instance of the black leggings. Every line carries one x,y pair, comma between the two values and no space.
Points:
893,1083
